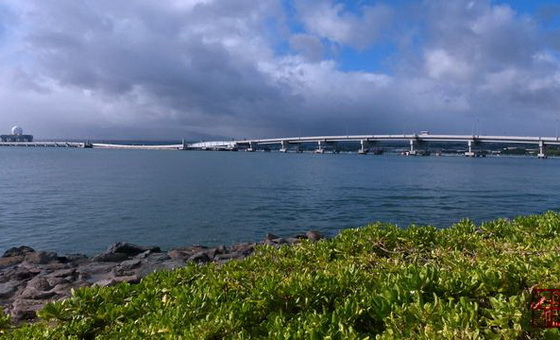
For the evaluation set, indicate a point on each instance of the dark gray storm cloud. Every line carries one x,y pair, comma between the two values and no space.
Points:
248,69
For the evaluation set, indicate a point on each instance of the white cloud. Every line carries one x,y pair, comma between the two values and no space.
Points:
334,22
249,69
440,65
308,45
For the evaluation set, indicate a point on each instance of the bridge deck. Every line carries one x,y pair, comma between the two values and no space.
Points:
285,141
380,138
44,144
407,137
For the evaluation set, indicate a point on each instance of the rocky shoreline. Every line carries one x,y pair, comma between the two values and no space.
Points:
29,279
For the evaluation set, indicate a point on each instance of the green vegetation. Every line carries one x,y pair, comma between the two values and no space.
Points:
380,281
552,151
515,151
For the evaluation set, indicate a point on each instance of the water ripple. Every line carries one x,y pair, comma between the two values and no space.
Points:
83,200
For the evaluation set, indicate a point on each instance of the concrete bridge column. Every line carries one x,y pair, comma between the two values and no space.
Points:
252,147
412,152
364,147
469,153
541,150
283,146
320,147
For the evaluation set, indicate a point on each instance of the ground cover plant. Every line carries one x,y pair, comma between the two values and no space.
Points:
378,282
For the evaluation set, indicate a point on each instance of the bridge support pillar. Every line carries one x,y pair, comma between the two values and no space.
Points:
320,147
469,153
541,150
252,147
283,146
364,147
412,151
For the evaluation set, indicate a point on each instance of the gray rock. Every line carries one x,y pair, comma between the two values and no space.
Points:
23,309
149,268
172,264
229,256
64,272
143,255
313,235
41,257
177,254
269,242
7,289
133,279
24,273
94,271
117,271
52,266
6,262
157,257
55,281
18,251
33,294
110,257
39,283
127,268
37,288
130,249
63,289
201,257
212,252
245,249
75,258
130,264
190,250
293,240
105,283
270,237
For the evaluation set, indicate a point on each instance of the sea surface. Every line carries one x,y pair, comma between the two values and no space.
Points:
82,200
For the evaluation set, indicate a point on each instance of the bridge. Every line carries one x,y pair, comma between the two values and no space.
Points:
48,144
88,145
136,146
414,140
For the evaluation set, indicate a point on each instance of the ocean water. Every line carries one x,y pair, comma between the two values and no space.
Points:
82,200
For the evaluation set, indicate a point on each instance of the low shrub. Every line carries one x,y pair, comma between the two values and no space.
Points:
378,282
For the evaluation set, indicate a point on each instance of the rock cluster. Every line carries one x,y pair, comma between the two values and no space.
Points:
29,278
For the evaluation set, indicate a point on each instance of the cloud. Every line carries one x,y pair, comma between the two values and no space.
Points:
269,68
194,62
335,22
440,64
496,59
308,46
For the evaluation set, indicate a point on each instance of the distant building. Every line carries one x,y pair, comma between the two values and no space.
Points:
16,136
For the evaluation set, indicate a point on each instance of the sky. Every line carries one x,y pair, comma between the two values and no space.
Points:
203,69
